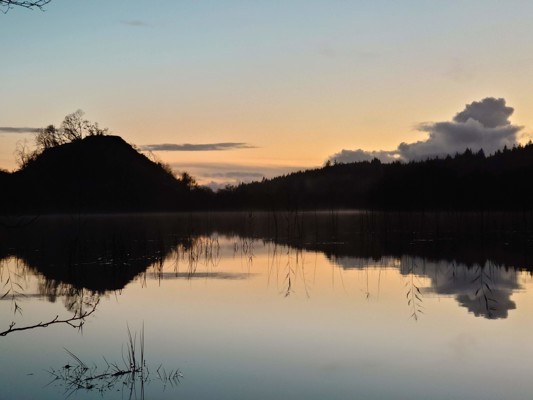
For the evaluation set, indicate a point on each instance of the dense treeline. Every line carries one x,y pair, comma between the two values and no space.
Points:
102,173
466,181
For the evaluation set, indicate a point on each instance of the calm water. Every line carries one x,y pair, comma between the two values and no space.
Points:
269,306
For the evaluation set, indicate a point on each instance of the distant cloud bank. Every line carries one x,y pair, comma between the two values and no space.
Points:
348,156
12,129
218,175
481,125
196,147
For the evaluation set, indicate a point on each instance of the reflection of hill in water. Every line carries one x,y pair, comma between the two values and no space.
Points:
95,253
472,257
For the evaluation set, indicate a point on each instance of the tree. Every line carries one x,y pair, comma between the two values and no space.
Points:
48,137
74,126
6,5
188,180
24,155
95,130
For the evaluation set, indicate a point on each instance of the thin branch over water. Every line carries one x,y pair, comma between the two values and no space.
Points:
77,321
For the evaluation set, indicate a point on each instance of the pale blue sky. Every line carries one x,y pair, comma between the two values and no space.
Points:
298,80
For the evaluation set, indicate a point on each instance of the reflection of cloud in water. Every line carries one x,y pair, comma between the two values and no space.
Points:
362,263
484,291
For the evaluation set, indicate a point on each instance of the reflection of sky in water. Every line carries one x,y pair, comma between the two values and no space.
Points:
247,319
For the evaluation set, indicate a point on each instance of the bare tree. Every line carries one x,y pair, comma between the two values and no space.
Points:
48,137
74,126
6,5
24,155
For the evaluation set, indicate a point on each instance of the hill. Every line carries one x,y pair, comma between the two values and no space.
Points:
466,181
95,174
103,173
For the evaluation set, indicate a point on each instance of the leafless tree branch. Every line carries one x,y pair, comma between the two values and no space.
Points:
6,5
76,321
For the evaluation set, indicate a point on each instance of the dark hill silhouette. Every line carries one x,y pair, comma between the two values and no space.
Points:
4,176
466,181
97,173
105,174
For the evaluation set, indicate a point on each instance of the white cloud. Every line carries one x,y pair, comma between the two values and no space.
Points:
481,125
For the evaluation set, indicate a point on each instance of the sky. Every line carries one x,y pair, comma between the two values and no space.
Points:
232,91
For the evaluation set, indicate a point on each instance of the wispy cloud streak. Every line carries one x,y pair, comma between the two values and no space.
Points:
196,147
135,22
13,129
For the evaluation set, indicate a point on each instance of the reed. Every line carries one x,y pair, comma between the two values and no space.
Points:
130,376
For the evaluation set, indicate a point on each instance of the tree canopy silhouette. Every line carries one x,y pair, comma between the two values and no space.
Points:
6,5
467,181
73,128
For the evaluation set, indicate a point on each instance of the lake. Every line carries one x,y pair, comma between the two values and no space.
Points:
337,305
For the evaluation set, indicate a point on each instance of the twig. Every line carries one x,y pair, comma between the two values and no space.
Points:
76,321
30,5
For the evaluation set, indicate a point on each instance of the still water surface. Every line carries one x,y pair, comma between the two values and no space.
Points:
288,306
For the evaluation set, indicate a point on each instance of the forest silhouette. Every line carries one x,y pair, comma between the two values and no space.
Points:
467,181
90,171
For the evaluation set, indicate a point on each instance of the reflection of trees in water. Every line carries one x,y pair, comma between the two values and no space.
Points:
74,299
244,246
77,260
82,258
190,251
13,282
287,265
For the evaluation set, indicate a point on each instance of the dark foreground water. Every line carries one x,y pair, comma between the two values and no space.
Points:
334,305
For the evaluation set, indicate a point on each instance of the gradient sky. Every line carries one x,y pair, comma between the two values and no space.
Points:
292,81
